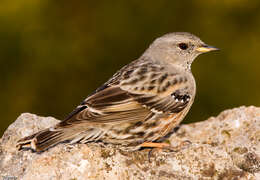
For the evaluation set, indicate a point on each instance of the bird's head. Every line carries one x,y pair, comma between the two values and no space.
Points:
179,48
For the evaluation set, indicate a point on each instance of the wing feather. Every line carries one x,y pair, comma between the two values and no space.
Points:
118,101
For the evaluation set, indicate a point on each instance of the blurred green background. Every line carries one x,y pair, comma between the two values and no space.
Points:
54,53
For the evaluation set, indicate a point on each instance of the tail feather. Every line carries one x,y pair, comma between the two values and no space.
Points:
41,140
50,137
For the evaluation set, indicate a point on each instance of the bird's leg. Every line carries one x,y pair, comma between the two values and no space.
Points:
155,145
160,146
166,145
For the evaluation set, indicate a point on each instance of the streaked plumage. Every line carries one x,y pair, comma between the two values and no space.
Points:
141,103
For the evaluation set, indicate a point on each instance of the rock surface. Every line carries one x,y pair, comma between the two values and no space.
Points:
223,147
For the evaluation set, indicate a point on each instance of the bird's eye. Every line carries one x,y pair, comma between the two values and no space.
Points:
183,46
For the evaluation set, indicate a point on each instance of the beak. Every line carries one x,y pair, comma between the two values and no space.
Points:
206,48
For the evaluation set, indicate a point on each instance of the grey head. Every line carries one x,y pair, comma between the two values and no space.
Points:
179,49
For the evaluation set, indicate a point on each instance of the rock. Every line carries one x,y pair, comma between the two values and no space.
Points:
223,147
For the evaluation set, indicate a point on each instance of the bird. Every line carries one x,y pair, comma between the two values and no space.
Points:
139,105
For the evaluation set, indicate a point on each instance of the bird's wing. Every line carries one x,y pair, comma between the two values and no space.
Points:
133,94
110,105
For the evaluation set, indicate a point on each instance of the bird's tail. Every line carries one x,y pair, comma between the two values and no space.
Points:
50,137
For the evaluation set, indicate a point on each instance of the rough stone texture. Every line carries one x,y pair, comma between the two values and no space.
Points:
225,147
